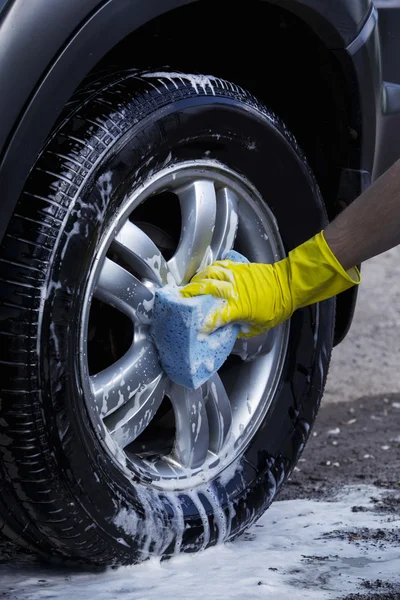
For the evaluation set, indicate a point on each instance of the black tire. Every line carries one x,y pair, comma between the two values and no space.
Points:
59,491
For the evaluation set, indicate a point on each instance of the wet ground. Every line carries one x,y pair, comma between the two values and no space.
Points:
351,443
357,443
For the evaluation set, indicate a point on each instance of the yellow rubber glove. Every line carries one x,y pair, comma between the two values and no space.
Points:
261,296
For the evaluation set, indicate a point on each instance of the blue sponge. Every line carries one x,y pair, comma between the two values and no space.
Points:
187,356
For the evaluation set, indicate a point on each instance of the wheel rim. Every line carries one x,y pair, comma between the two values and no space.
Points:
171,435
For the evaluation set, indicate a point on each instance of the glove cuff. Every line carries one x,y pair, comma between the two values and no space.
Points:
316,274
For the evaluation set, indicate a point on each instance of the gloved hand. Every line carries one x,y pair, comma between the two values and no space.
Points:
261,296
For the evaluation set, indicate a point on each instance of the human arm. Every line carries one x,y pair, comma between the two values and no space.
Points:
262,296
370,225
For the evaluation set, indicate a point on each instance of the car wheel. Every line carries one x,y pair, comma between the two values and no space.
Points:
146,178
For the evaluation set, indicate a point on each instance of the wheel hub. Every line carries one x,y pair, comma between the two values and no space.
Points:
149,424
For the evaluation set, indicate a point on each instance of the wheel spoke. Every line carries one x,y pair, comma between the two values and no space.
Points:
198,209
128,422
169,433
141,254
118,383
219,413
226,224
249,348
122,290
192,435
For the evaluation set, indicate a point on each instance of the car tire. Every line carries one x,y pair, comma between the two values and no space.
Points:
63,492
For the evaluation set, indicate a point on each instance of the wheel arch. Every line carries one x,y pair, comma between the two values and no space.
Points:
77,36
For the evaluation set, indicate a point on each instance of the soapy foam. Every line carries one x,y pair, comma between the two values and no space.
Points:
291,552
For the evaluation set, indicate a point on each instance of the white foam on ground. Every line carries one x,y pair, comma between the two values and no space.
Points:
286,554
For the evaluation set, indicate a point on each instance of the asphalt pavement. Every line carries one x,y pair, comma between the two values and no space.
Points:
367,362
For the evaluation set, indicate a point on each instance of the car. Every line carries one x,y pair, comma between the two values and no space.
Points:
139,141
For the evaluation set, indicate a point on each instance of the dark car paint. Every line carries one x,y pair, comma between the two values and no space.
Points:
387,150
338,22
55,44
35,33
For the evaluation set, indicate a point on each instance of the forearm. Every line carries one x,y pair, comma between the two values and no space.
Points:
370,225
